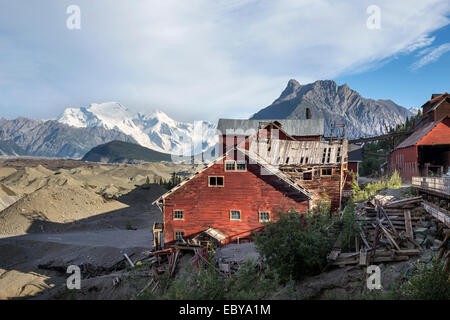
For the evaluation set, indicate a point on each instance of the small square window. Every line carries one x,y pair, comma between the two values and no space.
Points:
235,215
326,172
241,166
178,215
179,236
230,165
264,216
215,181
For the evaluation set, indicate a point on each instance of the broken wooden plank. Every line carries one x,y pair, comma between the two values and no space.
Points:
437,212
389,236
391,259
334,254
408,225
129,260
363,257
402,202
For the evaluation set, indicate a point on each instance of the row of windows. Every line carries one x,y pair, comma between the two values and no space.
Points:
231,165
264,216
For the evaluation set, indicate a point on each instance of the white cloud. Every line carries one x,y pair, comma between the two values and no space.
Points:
196,59
431,56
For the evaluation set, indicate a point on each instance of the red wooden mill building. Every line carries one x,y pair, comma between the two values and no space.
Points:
266,166
427,150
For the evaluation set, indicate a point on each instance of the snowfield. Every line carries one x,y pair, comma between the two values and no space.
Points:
156,131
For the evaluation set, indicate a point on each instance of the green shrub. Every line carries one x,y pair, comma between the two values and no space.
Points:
429,282
373,188
249,283
350,228
296,245
208,284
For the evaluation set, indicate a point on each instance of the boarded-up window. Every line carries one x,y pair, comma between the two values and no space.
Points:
235,215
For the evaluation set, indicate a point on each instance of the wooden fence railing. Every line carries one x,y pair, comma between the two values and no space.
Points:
441,185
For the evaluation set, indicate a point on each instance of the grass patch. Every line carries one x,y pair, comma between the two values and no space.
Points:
359,195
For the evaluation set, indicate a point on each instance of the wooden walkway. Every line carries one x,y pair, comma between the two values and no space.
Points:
436,186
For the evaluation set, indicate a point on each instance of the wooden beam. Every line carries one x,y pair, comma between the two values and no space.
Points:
408,225
435,211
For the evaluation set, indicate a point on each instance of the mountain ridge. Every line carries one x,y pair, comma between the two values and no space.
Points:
156,131
336,104
50,138
124,152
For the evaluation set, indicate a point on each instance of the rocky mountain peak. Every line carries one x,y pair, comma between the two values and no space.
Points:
336,104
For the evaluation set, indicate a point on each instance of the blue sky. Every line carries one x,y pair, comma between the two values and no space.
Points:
202,59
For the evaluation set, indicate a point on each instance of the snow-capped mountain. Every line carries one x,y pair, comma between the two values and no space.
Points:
156,131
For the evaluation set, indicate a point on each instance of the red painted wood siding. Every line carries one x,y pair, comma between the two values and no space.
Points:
405,162
438,135
249,192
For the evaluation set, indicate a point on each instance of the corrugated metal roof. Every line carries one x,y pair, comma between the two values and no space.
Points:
216,234
416,136
303,127
354,152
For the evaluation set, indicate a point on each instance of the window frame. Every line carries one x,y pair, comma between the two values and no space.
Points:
175,235
241,162
216,185
231,215
326,175
264,211
229,162
178,210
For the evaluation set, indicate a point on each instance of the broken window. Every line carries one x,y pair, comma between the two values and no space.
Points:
307,176
287,160
178,214
215,181
179,236
235,215
329,154
264,216
324,155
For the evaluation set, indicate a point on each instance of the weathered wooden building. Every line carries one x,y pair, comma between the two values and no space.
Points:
427,150
259,174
